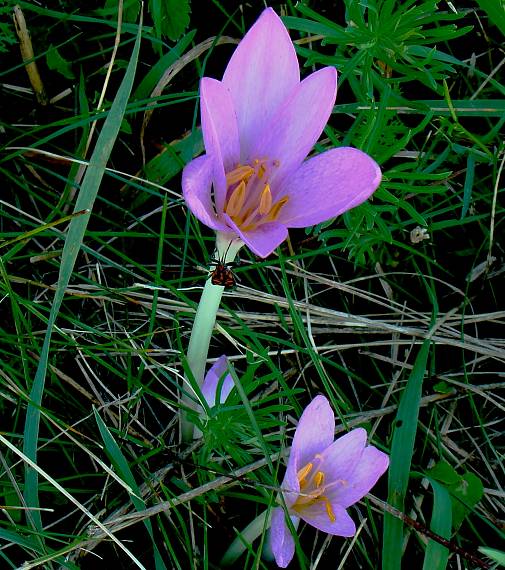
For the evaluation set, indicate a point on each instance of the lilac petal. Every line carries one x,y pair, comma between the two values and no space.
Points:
314,433
340,459
328,185
295,128
283,544
290,486
317,516
262,240
220,133
261,74
197,180
211,382
371,466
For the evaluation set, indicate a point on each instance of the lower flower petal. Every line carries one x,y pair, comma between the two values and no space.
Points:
317,516
282,543
262,240
197,179
328,185
371,466
211,382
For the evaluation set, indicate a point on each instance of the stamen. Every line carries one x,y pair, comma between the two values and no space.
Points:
277,207
265,201
329,511
241,173
319,478
236,201
304,471
261,171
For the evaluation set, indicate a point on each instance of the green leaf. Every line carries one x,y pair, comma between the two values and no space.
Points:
436,555
77,228
171,17
496,555
444,473
122,467
466,490
56,62
469,490
155,73
402,449
495,9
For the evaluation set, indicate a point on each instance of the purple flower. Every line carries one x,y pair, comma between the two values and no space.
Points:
259,124
323,478
212,385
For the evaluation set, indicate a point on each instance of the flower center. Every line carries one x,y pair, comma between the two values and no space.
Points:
249,201
312,490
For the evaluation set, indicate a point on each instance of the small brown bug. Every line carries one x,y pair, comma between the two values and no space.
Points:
222,275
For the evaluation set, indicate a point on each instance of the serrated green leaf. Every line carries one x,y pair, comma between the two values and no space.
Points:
56,62
171,17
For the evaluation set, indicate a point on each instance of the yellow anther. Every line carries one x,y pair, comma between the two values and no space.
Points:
319,478
265,201
236,201
241,173
276,208
261,171
329,511
304,471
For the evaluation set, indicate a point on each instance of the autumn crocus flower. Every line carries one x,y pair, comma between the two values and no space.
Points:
323,478
212,387
259,124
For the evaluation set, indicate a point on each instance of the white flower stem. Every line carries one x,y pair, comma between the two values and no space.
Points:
203,326
251,532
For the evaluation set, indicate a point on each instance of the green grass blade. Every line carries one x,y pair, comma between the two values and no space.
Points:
123,469
77,228
437,556
495,9
401,457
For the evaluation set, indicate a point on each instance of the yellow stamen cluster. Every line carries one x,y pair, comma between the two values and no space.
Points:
312,488
249,202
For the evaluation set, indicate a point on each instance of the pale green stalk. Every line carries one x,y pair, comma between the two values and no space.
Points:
252,531
205,318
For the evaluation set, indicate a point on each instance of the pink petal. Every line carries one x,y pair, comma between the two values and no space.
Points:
317,516
220,133
295,128
261,74
283,544
371,466
328,185
197,180
340,459
264,239
314,433
211,382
